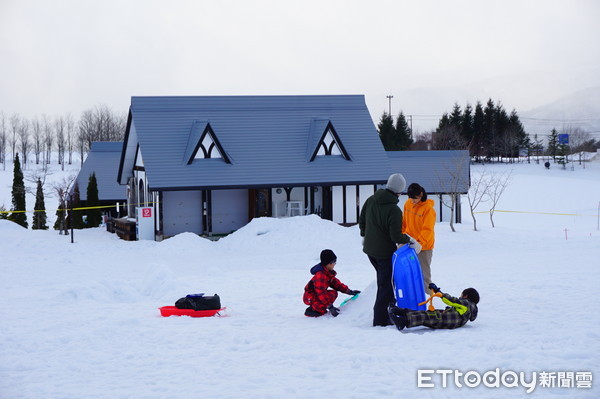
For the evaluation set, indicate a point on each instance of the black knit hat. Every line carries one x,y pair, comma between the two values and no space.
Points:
327,257
471,294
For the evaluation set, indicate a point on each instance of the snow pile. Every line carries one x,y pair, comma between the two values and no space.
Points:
81,320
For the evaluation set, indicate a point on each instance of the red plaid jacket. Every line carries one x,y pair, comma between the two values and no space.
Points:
321,281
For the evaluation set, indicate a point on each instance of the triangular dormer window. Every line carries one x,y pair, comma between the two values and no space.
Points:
203,144
330,144
208,148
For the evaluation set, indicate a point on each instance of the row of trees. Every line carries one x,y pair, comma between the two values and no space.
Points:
396,137
67,198
488,132
39,137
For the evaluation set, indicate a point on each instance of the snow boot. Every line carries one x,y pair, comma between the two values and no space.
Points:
398,317
310,312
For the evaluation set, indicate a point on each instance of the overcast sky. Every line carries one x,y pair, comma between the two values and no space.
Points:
65,56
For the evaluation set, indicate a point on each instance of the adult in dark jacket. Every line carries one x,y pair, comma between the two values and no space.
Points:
317,293
380,224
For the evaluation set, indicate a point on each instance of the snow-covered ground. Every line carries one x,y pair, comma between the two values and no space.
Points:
81,320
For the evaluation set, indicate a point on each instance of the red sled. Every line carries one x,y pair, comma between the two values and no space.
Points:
167,311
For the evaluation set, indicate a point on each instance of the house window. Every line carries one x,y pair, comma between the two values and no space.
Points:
329,145
207,149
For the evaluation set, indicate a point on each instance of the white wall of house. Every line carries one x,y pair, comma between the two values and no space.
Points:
297,194
182,212
229,210
364,192
278,202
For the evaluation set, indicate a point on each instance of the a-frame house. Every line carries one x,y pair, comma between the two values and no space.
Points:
210,164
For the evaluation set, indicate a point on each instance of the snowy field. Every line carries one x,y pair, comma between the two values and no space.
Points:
81,320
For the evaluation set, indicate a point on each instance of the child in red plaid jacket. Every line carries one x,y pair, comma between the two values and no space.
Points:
316,293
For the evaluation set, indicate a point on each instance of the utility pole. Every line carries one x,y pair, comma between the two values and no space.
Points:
410,119
390,102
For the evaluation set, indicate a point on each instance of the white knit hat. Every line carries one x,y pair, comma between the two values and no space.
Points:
396,183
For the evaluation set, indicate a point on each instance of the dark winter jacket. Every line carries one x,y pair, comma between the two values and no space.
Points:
321,281
458,312
380,224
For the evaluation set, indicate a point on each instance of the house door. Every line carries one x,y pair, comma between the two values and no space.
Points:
327,212
259,202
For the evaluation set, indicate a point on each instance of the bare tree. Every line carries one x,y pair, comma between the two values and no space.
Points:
70,139
38,139
15,123
423,142
3,139
24,143
477,193
448,138
33,176
85,133
451,180
60,128
577,139
48,139
62,188
497,186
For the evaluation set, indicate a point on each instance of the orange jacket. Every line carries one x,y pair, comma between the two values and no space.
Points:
418,222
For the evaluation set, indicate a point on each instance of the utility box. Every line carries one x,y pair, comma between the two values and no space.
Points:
145,223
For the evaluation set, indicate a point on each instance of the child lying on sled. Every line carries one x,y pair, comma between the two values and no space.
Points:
459,311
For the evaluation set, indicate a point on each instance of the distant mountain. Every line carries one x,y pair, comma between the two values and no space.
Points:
580,109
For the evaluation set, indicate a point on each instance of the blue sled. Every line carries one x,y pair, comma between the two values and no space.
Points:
407,279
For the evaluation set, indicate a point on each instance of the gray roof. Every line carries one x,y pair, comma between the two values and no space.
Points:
103,159
268,140
436,171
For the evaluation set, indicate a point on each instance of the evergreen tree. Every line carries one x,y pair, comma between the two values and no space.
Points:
18,214
444,121
521,138
94,215
553,144
562,152
403,138
386,131
489,129
61,222
75,217
455,119
467,126
478,128
447,135
502,136
39,210
537,146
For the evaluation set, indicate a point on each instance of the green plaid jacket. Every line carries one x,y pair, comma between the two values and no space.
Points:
455,315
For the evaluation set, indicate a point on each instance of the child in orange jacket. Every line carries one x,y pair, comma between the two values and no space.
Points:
418,222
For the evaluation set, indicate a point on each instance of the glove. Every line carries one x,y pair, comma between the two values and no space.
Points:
353,292
434,287
414,244
333,310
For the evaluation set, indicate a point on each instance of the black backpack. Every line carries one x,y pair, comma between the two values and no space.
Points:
199,302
